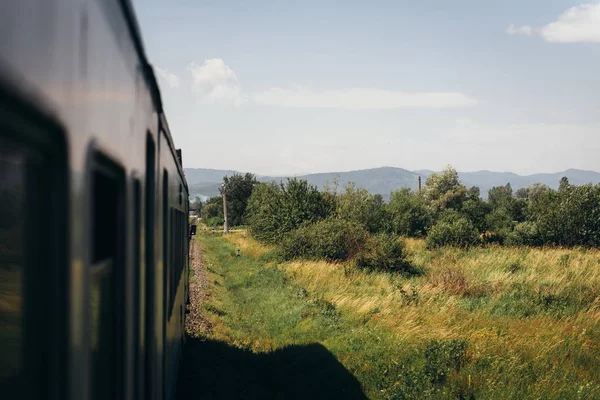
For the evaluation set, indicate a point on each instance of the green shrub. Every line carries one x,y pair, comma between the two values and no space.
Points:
524,234
330,239
408,213
384,252
444,356
214,222
275,209
357,204
492,237
452,230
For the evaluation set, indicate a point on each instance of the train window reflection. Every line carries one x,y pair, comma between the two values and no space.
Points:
106,280
12,207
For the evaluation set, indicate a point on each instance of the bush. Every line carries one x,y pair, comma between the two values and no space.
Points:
275,209
384,252
444,356
452,230
492,237
408,213
357,204
214,222
524,234
331,239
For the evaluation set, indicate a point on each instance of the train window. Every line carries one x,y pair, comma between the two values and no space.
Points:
178,234
138,295
149,338
12,266
25,354
107,277
166,266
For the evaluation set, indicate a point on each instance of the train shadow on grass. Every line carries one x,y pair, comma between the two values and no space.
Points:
215,370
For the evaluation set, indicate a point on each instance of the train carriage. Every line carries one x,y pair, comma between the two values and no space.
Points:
94,205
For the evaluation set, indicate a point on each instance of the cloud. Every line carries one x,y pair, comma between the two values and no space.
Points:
171,79
360,99
216,83
577,24
524,30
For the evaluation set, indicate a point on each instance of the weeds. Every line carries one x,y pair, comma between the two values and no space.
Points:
487,322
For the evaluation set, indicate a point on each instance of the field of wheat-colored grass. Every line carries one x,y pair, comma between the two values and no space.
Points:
529,318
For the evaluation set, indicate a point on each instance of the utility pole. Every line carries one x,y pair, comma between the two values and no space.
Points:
419,184
225,224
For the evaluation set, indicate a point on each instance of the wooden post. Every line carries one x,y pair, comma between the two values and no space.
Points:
225,224
419,184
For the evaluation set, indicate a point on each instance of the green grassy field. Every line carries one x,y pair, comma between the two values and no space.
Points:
486,323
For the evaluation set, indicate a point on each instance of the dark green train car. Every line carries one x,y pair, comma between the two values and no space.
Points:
93,208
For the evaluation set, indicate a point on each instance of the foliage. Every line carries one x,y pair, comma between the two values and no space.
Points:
510,323
238,189
445,211
568,217
443,356
452,230
214,222
409,214
476,210
525,234
499,220
360,206
275,209
444,191
212,208
384,252
492,237
196,205
500,196
331,239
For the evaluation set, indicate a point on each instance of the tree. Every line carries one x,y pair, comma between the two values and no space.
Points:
275,209
238,189
212,211
506,210
475,209
408,213
196,205
500,196
522,193
263,213
444,191
564,184
452,229
360,206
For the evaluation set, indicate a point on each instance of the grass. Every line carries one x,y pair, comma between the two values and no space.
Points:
492,323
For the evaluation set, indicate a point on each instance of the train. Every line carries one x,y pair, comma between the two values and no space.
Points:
93,208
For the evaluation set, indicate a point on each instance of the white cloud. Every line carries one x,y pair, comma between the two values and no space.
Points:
577,24
216,83
171,79
360,99
525,30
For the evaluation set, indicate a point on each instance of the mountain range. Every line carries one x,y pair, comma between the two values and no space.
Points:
205,182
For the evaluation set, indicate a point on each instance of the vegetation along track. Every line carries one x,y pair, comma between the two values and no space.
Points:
478,323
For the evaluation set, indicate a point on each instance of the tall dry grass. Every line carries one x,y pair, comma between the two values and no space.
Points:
533,312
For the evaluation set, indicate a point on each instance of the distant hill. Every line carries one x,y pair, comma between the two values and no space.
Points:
203,175
205,182
377,180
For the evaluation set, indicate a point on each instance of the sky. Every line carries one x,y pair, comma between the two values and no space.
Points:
281,87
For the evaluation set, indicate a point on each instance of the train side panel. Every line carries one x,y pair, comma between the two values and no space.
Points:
76,64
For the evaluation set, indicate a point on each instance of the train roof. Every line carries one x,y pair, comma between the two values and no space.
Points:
149,76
